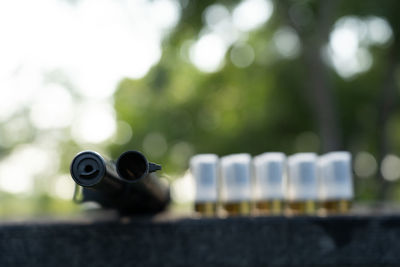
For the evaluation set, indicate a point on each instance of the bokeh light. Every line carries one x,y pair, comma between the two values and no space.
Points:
350,40
390,167
95,123
287,42
52,107
182,189
365,164
242,55
24,164
250,14
155,145
208,53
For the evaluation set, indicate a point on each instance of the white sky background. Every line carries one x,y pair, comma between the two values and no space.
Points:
94,44
90,44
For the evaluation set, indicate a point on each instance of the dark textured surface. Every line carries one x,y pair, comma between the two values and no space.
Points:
301,241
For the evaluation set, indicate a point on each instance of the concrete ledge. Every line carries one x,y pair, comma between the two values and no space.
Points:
260,241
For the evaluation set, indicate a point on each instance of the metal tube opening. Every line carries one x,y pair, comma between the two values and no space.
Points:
132,165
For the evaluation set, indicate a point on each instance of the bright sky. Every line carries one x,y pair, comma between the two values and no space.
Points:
61,62
93,44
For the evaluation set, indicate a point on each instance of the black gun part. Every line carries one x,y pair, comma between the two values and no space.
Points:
128,186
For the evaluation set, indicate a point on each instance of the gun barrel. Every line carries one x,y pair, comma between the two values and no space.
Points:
133,166
128,186
90,170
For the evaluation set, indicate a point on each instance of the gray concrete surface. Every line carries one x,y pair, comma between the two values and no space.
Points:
252,241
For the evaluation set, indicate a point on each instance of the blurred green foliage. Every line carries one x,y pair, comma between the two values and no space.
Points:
42,204
273,104
289,104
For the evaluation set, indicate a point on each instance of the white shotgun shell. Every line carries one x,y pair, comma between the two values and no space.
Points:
301,181
269,169
204,169
235,178
336,179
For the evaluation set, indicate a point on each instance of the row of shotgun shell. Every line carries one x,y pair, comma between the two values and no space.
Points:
272,184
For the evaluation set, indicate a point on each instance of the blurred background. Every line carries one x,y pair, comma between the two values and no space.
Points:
176,78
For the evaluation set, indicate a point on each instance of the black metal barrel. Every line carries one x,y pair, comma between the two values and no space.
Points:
127,186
